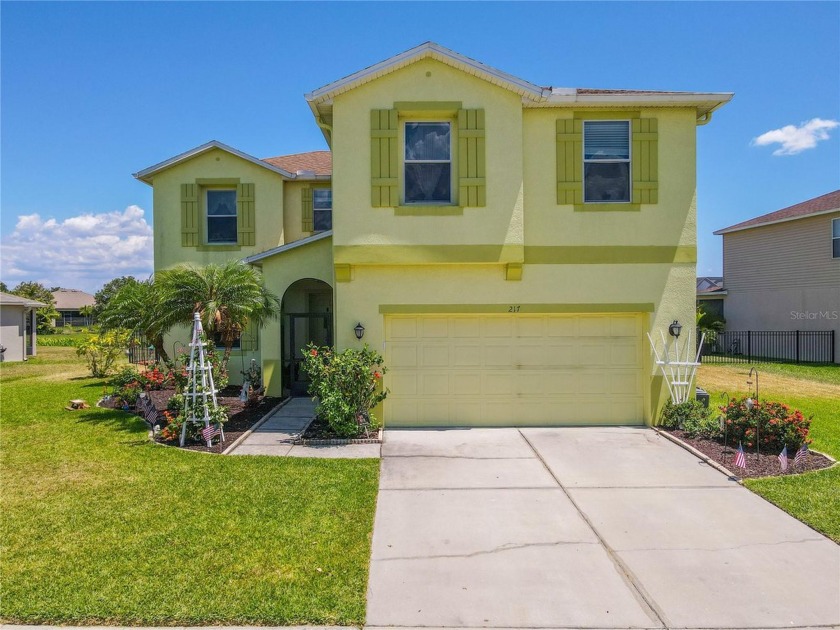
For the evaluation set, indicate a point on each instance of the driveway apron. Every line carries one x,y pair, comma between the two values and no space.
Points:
584,528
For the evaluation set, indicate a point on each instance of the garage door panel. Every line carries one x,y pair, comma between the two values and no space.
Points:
524,369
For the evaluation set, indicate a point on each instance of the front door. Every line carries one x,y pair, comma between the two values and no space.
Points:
301,329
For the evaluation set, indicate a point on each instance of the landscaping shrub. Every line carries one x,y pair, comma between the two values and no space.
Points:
347,385
102,351
774,424
692,417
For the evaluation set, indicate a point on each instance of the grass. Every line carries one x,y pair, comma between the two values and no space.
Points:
62,339
815,390
101,527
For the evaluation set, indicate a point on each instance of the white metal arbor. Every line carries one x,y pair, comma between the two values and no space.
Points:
676,366
200,394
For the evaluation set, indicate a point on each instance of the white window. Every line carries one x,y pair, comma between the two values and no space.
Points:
322,209
221,217
835,238
428,162
606,161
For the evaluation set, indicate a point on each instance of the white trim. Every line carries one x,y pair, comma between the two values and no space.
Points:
834,238
439,53
208,216
628,161
735,228
146,173
288,246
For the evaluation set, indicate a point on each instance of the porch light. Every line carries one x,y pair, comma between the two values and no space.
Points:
675,329
359,330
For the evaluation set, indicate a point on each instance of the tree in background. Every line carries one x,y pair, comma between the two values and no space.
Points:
136,306
227,297
3,287
37,291
104,294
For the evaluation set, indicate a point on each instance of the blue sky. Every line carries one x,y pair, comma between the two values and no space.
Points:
92,92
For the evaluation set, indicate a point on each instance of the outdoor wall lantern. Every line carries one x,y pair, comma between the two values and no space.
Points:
359,330
675,329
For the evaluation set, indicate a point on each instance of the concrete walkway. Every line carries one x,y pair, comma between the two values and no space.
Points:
275,436
584,528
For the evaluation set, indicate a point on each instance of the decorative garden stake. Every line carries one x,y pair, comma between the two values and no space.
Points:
674,362
200,397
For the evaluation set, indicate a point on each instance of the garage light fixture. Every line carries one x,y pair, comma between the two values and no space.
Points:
359,330
675,329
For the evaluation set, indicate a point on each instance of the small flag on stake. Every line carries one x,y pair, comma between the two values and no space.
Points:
783,459
209,432
800,454
740,458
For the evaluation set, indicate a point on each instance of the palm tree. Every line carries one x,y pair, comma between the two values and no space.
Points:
137,307
227,297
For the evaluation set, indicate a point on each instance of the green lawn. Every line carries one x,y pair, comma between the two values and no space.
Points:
811,497
101,527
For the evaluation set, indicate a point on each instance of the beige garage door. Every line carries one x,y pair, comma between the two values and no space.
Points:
507,370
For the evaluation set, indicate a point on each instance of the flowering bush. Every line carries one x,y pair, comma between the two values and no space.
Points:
773,424
102,351
347,385
172,430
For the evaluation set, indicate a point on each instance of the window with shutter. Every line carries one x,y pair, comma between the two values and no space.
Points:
306,210
384,158
246,215
471,174
189,215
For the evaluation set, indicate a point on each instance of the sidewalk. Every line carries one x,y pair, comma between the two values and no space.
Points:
277,434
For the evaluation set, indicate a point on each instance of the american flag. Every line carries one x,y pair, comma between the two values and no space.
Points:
800,454
783,461
209,432
740,458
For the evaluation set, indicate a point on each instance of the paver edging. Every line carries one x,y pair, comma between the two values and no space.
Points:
256,426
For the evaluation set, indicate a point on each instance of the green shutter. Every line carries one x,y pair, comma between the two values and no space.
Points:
384,161
569,161
249,340
245,215
307,221
645,160
189,215
471,176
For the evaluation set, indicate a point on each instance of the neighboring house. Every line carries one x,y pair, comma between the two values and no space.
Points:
782,270
710,295
18,327
69,304
506,246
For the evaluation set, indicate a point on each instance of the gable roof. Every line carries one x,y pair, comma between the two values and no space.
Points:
147,173
823,204
317,162
16,300
710,284
288,246
72,299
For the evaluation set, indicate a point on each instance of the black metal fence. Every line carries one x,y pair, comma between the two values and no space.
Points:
140,350
768,346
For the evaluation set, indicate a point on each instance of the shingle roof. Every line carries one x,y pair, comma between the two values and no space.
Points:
817,205
709,284
8,298
320,162
72,299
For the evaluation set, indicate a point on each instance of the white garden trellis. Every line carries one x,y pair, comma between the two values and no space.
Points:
200,394
676,366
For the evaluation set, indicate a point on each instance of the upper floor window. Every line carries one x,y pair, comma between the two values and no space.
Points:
221,217
835,238
606,161
428,162
322,209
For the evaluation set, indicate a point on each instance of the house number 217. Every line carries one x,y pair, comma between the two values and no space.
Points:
513,309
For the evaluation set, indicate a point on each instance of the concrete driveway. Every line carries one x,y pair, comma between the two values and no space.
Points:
584,528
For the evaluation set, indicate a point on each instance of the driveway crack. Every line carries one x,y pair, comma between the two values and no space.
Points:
485,552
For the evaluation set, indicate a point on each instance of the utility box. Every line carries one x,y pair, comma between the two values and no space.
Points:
702,395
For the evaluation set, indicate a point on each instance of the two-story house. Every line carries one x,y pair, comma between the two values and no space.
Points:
506,246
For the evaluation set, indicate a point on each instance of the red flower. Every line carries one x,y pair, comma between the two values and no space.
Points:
313,352
377,375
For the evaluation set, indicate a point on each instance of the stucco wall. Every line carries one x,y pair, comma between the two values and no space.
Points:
12,332
215,164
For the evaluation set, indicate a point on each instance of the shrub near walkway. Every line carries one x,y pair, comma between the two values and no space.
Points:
815,390
101,527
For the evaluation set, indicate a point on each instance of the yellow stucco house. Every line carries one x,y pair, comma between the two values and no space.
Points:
506,246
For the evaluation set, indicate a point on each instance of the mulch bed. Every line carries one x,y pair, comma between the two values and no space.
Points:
319,429
764,465
241,417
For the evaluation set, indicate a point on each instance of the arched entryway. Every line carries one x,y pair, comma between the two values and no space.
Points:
307,317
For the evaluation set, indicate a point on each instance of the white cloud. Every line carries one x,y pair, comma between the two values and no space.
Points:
796,139
81,252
